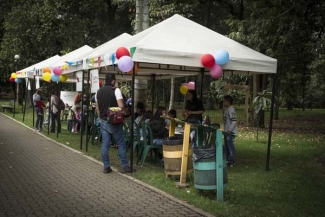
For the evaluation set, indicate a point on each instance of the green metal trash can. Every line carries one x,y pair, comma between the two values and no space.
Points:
205,171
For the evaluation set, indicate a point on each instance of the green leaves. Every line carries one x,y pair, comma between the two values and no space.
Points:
261,102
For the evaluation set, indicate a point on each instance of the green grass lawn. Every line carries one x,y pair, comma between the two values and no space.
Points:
294,185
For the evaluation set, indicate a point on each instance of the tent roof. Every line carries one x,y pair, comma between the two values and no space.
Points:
99,51
180,41
29,71
76,54
173,48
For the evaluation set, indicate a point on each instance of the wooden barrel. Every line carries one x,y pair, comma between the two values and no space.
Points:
173,151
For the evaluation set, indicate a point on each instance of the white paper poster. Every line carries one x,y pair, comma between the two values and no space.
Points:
79,81
94,80
68,97
37,82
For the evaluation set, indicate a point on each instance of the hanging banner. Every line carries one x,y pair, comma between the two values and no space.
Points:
94,80
37,82
27,84
79,81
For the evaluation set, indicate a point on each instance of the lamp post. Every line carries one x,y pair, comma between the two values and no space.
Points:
16,58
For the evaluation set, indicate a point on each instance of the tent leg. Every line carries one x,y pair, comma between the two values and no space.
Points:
87,100
83,113
267,167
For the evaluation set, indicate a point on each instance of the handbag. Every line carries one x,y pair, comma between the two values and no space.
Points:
115,115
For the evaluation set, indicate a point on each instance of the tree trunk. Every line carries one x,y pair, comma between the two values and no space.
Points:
141,23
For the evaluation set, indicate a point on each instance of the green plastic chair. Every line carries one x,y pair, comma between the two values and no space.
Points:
147,144
137,143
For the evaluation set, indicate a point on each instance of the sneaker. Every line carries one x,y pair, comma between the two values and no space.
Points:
36,130
127,169
231,165
107,170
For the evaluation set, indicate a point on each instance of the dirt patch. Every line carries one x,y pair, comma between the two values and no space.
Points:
298,124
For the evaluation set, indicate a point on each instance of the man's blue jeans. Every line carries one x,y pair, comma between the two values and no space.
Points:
39,119
109,132
230,148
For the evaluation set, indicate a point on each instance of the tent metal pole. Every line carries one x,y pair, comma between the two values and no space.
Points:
132,120
33,103
82,112
87,111
59,119
202,80
49,89
267,167
153,81
24,111
13,114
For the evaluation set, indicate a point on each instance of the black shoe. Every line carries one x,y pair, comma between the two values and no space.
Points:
127,169
107,170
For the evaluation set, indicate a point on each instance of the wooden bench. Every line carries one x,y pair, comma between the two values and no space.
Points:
9,107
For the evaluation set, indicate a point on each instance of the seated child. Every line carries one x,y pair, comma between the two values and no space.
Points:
172,114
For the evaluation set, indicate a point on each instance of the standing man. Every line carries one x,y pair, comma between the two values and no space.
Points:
55,112
39,117
106,97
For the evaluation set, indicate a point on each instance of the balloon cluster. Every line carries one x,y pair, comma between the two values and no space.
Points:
187,86
13,78
56,76
215,61
125,62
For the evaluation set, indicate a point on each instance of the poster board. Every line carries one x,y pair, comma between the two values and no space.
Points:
68,97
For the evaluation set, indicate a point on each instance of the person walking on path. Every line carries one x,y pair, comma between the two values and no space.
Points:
106,97
230,122
39,114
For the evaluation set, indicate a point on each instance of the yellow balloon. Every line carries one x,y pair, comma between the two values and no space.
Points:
183,89
47,76
13,75
63,78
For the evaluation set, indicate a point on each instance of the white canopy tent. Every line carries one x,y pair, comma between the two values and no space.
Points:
29,71
174,48
76,54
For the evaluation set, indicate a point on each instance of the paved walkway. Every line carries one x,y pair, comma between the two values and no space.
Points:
39,177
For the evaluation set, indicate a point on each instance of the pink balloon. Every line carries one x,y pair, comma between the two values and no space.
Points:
57,70
125,64
216,71
191,85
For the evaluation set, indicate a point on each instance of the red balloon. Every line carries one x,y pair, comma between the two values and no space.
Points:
207,60
122,51
100,83
11,79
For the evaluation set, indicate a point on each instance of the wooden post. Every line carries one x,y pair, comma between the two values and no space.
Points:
186,142
172,127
